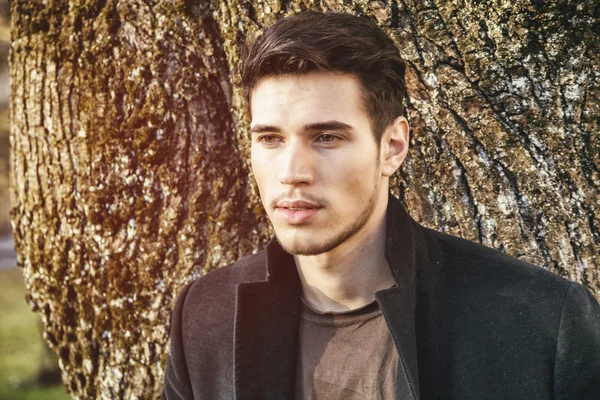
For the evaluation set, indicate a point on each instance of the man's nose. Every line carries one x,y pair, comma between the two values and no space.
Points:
296,164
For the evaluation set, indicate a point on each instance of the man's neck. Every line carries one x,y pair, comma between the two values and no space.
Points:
347,277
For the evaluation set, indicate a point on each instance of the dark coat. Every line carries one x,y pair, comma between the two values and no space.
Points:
469,322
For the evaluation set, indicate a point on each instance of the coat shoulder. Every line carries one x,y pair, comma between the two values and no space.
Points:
492,317
475,263
493,301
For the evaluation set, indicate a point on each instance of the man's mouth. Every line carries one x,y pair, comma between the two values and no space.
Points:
295,215
297,204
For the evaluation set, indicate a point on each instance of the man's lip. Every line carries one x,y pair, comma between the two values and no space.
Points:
308,208
295,217
296,204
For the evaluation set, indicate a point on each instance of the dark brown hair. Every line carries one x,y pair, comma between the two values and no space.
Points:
333,42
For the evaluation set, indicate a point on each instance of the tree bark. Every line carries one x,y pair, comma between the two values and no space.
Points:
130,155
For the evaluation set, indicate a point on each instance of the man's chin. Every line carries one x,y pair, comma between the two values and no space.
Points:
302,247
308,245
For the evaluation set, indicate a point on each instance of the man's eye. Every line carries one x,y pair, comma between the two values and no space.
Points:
268,139
271,140
326,138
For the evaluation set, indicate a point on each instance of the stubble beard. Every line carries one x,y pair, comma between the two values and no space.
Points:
346,233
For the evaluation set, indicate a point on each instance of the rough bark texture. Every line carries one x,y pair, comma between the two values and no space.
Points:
129,153
4,126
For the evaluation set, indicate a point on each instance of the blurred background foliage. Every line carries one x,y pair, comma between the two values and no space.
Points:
27,371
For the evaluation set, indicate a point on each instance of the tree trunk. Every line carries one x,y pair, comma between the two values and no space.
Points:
130,156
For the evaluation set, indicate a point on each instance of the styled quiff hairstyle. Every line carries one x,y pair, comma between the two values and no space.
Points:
332,42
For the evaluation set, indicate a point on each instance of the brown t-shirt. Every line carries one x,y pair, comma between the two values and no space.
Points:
345,356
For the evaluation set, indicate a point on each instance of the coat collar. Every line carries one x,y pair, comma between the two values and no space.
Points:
267,315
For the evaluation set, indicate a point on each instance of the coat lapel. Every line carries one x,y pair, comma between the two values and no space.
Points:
266,331
398,311
398,303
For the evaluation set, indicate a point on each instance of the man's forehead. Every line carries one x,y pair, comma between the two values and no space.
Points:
304,99
297,86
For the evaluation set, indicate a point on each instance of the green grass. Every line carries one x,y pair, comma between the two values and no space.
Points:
21,346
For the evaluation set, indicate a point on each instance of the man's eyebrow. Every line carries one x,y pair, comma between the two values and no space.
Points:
315,126
328,126
264,128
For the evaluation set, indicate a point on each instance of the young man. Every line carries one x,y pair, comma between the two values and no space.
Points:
352,299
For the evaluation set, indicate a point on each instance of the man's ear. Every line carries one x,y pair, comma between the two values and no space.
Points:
394,146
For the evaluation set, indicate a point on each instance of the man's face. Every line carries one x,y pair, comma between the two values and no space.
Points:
312,143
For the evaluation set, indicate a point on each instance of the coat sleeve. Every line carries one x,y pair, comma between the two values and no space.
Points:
577,362
177,383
